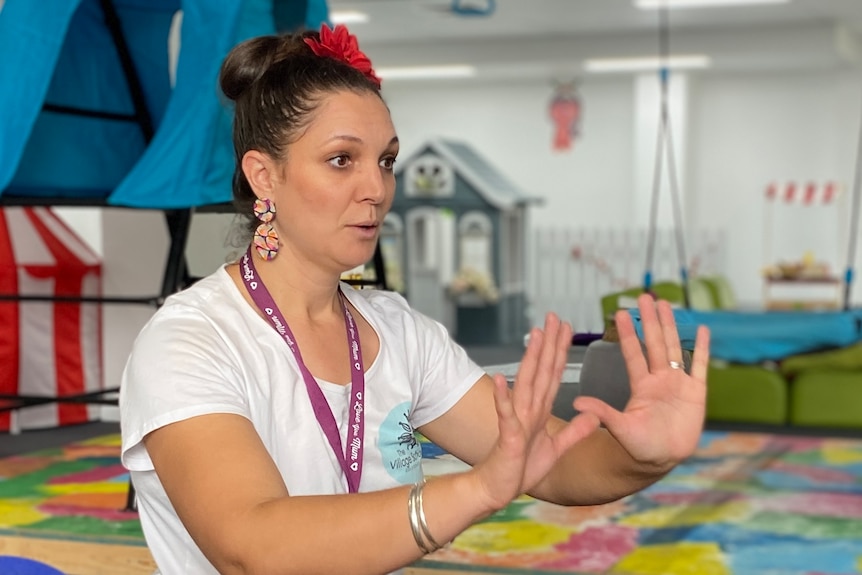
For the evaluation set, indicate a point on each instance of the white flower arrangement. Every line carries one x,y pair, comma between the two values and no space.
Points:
468,280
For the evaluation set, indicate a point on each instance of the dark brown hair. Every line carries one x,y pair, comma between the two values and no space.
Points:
275,83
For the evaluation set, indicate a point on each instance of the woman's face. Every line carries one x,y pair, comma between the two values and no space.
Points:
336,182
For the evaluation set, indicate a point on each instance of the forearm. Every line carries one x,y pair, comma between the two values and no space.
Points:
597,470
355,534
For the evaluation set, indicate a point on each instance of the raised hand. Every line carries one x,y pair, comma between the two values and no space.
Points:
664,417
525,450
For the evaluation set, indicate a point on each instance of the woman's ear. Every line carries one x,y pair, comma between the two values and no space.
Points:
259,170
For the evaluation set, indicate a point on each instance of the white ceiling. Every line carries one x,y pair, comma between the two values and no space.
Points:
539,38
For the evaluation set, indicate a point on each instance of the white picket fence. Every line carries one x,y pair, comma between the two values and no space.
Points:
569,270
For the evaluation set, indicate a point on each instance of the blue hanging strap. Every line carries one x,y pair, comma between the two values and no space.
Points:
854,222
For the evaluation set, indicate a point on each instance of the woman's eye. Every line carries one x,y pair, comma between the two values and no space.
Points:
340,161
387,163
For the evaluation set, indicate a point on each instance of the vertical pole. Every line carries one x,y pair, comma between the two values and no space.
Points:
854,223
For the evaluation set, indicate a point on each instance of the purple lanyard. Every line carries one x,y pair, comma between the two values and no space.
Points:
356,428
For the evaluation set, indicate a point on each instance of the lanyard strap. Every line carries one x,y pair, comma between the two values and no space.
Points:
349,457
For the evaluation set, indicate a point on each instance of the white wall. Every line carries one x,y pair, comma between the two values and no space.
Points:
509,123
743,131
749,130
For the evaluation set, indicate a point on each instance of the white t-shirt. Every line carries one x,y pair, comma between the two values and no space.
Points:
207,351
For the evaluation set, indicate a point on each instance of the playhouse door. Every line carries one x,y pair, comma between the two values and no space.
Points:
430,262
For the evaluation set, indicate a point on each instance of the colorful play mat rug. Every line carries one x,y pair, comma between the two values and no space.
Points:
744,504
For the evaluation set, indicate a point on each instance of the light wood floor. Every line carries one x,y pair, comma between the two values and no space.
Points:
76,558
424,571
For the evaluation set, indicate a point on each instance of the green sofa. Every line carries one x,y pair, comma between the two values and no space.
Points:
825,387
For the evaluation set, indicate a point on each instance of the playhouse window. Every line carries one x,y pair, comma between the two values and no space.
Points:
474,234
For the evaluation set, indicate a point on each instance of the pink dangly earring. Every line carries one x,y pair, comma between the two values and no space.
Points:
265,236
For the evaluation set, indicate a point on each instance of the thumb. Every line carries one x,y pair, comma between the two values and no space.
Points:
607,415
582,425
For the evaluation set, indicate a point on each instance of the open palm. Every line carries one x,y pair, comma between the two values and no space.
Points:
663,419
526,448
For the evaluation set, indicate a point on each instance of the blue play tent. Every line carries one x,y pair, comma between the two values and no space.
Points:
88,115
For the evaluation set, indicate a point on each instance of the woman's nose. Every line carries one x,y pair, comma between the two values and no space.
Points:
374,186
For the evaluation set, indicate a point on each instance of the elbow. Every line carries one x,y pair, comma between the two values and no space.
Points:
254,559
254,544
245,564
239,556
234,561
251,561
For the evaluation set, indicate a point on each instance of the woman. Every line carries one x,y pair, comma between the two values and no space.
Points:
268,412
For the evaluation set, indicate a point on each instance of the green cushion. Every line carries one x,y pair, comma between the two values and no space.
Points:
845,358
827,398
722,292
610,302
666,290
700,296
745,393
669,291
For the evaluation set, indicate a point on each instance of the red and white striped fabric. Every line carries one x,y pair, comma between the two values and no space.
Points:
48,348
808,193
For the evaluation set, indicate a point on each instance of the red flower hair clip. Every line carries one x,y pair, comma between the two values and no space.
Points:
342,45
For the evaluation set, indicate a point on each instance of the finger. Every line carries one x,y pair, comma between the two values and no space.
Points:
630,344
547,362
522,395
700,360
581,426
562,345
607,415
653,337
503,403
564,342
669,331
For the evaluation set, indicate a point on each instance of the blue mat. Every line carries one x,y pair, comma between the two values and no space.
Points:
754,337
19,566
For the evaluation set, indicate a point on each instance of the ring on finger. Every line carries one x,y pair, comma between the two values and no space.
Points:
675,364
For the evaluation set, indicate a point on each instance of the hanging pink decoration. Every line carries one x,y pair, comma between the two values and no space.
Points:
565,112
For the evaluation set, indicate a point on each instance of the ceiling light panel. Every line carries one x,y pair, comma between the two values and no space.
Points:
426,72
348,17
687,62
679,4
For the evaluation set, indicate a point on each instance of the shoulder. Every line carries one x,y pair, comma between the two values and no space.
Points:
208,297
208,310
197,345
401,326
377,300
217,287
387,310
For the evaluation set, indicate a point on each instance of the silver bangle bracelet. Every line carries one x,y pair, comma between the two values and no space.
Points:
427,532
413,515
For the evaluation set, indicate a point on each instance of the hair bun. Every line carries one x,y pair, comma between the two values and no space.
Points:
248,61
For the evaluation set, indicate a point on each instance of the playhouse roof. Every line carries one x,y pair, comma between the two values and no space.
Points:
487,180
